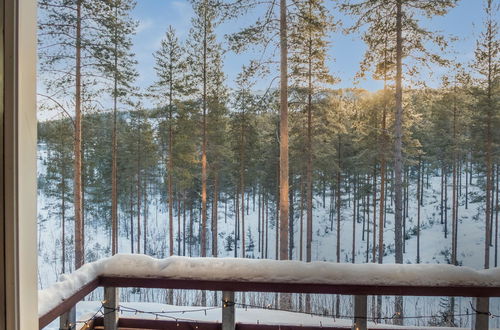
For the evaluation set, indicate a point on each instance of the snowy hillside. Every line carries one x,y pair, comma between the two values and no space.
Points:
435,249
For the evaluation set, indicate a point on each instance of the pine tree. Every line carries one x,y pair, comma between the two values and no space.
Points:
309,71
487,66
263,33
242,137
203,48
56,181
169,88
218,149
66,37
405,21
186,158
283,167
116,61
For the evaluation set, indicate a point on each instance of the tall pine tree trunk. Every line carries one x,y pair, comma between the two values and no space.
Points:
114,174
381,225
63,221
285,299
467,182
139,194
489,171
353,252
374,229
267,227
454,208
179,215
242,184
441,213
203,233
215,216
419,196
170,176
367,209
339,196
398,153
184,224
236,221
131,202
283,202
191,223
309,187
496,214
79,246
291,193
145,211
259,223
301,234
309,192
445,204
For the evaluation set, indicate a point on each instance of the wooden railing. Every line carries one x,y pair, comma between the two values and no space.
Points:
66,310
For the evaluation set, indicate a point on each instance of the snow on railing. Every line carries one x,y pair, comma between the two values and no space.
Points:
272,275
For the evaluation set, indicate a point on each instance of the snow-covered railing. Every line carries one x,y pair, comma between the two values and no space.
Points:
262,275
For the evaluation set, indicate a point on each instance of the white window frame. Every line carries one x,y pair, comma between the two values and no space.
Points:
18,134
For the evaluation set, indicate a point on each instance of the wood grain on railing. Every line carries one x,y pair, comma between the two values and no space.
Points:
297,287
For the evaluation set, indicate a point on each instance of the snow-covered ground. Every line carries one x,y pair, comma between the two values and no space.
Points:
434,247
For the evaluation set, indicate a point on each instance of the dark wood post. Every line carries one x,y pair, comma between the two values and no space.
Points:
481,316
360,313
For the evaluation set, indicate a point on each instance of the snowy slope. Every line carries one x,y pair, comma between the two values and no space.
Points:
434,248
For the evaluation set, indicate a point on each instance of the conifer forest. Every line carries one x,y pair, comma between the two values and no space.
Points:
281,159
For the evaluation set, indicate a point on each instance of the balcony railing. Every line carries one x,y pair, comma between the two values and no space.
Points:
228,276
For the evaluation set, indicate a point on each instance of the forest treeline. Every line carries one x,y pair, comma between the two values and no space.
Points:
441,141
277,150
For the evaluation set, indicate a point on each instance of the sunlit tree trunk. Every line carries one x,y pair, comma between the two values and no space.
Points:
285,299
203,239
215,216
283,134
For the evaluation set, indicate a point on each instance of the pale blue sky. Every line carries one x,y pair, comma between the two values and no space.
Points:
154,16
